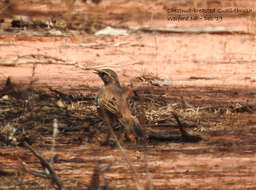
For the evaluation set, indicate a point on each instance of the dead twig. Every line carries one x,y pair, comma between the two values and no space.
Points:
106,66
102,45
95,179
6,141
202,78
185,135
9,172
37,57
192,30
49,171
138,184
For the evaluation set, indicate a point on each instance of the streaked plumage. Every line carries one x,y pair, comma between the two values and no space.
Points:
112,103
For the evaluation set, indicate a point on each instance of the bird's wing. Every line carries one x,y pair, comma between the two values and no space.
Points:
129,96
115,101
109,100
111,106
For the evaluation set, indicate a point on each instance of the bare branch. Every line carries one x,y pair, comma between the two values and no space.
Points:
47,168
185,135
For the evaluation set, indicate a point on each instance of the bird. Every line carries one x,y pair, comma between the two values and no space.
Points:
113,104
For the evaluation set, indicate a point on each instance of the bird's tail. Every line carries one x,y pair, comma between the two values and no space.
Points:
137,128
132,125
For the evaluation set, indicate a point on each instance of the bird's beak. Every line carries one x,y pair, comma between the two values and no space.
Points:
96,71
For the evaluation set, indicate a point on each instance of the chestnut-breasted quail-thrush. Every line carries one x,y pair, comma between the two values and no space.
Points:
113,103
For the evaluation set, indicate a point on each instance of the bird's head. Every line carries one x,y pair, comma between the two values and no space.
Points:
108,76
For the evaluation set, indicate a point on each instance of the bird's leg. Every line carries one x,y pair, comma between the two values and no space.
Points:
127,137
106,141
108,123
110,132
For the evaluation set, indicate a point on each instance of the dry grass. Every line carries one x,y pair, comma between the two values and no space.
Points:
78,122
33,116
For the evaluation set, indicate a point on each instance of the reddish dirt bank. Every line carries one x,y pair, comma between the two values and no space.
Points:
203,68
